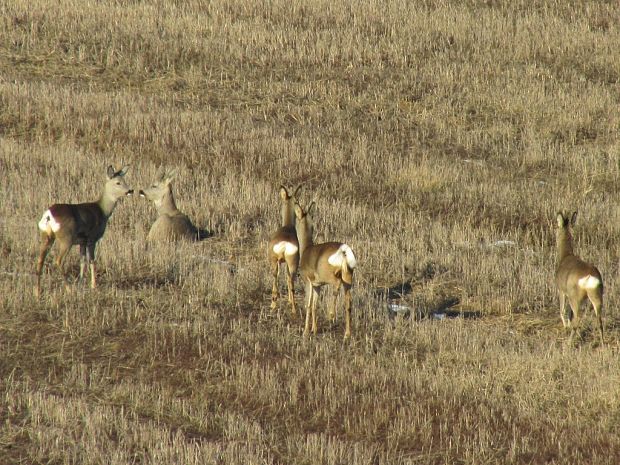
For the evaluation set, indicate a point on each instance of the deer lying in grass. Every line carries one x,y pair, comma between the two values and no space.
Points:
171,224
328,263
576,279
284,248
82,224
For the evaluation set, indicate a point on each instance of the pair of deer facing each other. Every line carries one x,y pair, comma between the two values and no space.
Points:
83,224
329,263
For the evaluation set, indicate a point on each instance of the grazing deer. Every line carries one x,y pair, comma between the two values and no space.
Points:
328,263
284,248
82,224
576,279
171,225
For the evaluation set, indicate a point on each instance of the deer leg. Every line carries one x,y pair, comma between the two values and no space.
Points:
315,298
65,246
574,321
274,291
347,311
291,290
292,263
565,322
46,244
332,309
597,304
83,260
309,298
90,256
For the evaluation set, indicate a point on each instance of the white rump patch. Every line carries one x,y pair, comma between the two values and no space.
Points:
344,253
286,247
48,223
589,282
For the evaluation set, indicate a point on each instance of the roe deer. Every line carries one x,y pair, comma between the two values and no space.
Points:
328,263
575,279
284,248
171,224
82,224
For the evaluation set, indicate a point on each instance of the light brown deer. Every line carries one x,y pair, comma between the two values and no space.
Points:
575,279
171,224
82,224
328,263
284,248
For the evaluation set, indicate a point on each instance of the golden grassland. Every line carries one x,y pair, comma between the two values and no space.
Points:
427,132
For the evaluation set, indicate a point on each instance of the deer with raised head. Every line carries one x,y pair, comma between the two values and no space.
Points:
82,224
284,248
329,263
171,224
576,280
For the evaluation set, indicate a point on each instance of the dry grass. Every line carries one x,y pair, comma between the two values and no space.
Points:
426,132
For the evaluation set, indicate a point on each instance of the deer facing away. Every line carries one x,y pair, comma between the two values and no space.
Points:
329,263
576,280
171,224
284,248
82,224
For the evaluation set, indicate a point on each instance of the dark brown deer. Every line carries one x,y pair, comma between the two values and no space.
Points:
575,279
82,224
328,263
284,248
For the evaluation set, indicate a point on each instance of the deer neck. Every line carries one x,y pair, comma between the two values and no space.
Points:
304,236
565,244
166,205
107,203
288,214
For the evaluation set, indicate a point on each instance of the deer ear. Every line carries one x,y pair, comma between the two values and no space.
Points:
310,207
297,191
171,175
561,220
283,193
573,219
123,171
110,172
161,172
299,213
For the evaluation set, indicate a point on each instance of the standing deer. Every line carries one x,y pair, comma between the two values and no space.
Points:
82,224
171,224
284,248
575,279
328,263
